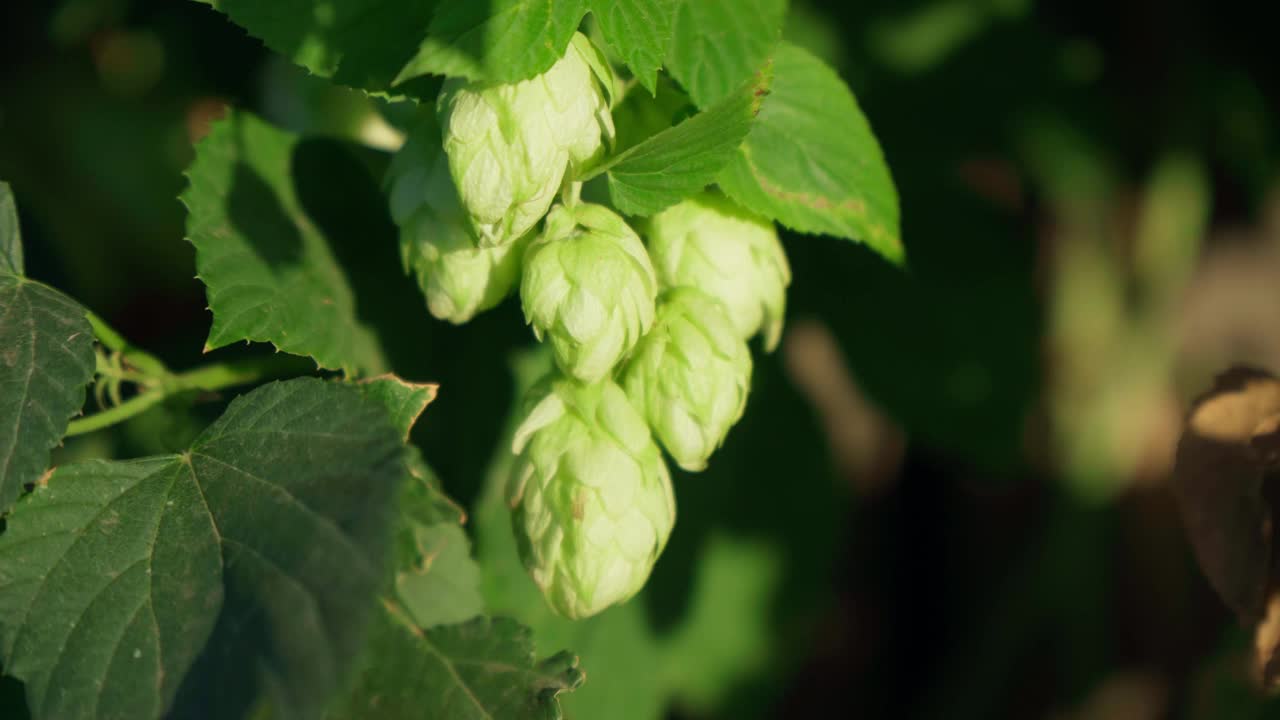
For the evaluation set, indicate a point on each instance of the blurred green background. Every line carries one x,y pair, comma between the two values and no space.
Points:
948,497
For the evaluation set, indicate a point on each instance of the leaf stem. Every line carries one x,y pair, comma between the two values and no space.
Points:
135,356
133,406
209,378
571,194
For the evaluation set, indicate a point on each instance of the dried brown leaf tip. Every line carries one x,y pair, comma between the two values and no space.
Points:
1226,485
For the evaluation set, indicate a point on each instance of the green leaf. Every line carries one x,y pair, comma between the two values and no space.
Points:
682,160
640,32
484,669
423,499
422,503
502,41
271,273
812,163
10,233
110,581
717,44
46,360
640,116
274,524
415,667
301,478
421,658
403,400
435,578
441,586
361,43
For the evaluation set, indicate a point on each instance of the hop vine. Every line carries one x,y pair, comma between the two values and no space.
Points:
648,321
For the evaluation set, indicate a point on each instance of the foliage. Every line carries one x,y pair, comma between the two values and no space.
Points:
299,556
942,493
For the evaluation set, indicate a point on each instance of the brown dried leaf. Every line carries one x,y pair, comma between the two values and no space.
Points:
1218,480
1266,442
1228,452
1266,638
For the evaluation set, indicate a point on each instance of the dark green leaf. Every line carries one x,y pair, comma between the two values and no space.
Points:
422,660
301,479
812,163
423,499
435,581
484,669
422,503
639,31
403,400
717,44
10,234
682,160
271,273
112,576
361,43
496,40
110,581
46,360
441,583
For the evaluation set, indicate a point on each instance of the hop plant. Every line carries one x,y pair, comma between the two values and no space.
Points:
690,376
592,505
710,243
589,288
459,278
510,146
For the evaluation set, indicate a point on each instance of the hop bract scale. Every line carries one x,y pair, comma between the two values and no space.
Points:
589,288
511,146
592,504
459,278
712,244
690,376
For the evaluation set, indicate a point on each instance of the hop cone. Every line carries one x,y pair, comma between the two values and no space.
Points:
591,498
509,146
589,288
709,243
690,376
459,278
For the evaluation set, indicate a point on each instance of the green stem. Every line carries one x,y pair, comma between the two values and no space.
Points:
135,356
133,406
208,378
571,194
105,368
235,372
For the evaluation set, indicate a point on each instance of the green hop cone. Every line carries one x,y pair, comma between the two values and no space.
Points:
592,505
459,278
690,376
510,146
589,288
710,243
